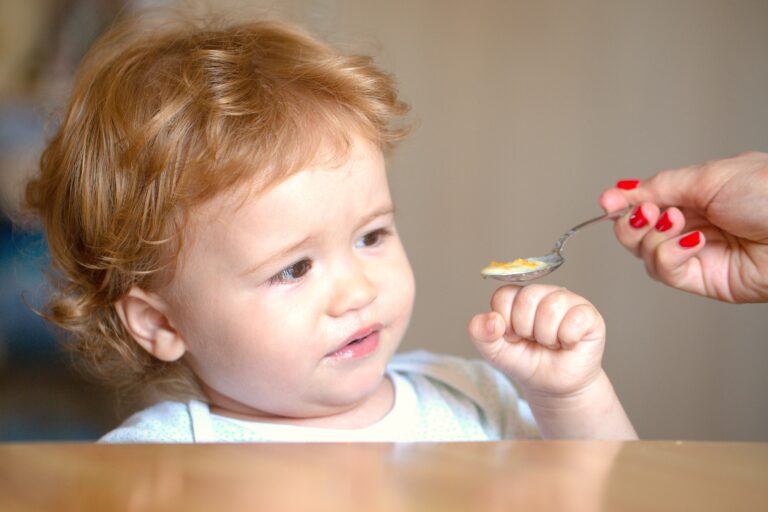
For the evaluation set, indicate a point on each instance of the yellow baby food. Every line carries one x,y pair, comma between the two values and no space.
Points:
517,266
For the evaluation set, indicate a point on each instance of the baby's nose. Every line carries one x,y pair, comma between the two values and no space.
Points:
353,290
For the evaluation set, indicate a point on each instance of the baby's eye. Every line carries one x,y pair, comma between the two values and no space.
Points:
291,273
373,238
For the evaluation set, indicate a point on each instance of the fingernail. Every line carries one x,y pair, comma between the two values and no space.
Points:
690,240
638,220
627,184
491,325
664,223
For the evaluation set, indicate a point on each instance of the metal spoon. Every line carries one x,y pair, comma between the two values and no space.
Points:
543,265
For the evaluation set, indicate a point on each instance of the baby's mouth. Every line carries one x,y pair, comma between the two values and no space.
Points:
360,343
353,342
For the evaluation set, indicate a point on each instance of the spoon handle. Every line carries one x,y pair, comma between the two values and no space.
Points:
560,244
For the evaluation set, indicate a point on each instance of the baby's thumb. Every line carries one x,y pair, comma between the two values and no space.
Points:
486,328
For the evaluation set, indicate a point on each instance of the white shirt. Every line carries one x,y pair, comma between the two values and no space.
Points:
437,398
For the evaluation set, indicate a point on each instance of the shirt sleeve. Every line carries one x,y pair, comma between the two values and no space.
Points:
165,422
505,414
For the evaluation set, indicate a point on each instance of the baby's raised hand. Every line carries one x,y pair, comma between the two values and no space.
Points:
545,338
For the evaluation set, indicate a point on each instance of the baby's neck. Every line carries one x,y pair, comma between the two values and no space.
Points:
370,411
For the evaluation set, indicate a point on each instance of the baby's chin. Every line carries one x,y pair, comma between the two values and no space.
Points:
322,406
361,409
350,411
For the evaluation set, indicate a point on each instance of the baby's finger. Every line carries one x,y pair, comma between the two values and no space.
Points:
550,313
503,299
674,262
486,328
631,228
525,307
581,323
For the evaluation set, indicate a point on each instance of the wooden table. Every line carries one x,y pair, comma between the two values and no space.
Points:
507,476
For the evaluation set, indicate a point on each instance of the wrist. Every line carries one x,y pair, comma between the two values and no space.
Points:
572,396
592,412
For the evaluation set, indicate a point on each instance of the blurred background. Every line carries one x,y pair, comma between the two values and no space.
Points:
525,112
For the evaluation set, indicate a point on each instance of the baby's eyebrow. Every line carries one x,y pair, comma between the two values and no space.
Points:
388,209
279,254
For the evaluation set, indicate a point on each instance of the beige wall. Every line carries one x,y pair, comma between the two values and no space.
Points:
527,109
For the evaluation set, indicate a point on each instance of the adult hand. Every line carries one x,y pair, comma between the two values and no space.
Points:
702,229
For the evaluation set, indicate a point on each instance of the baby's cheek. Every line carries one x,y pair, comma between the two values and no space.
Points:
407,296
400,288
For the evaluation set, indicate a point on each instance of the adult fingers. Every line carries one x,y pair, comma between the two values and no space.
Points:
633,227
670,223
674,261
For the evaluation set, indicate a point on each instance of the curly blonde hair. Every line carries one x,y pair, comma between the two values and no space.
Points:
162,117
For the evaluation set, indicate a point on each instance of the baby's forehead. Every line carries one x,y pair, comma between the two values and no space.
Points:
332,153
259,199
242,208
240,222
217,212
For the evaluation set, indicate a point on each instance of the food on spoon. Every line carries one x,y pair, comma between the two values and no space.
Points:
518,266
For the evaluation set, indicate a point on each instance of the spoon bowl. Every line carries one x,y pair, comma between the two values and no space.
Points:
539,266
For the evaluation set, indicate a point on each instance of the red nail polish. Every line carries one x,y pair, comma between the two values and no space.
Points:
690,240
664,223
627,184
638,220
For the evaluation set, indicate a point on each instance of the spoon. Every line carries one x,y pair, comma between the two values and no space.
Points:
527,269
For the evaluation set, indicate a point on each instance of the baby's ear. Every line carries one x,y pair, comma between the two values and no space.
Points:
144,316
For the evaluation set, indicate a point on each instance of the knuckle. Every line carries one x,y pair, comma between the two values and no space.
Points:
589,311
583,316
662,260
502,298
663,175
528,296
651,268
555,302
649,248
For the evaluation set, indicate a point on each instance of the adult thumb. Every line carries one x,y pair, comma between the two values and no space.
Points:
688,187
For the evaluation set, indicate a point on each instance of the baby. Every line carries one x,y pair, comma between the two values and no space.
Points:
221,229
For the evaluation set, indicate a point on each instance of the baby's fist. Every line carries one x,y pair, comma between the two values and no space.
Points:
545,338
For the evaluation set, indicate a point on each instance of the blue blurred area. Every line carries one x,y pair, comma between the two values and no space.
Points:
41,397
25,336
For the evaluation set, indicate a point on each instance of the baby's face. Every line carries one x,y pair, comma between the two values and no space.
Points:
293,303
